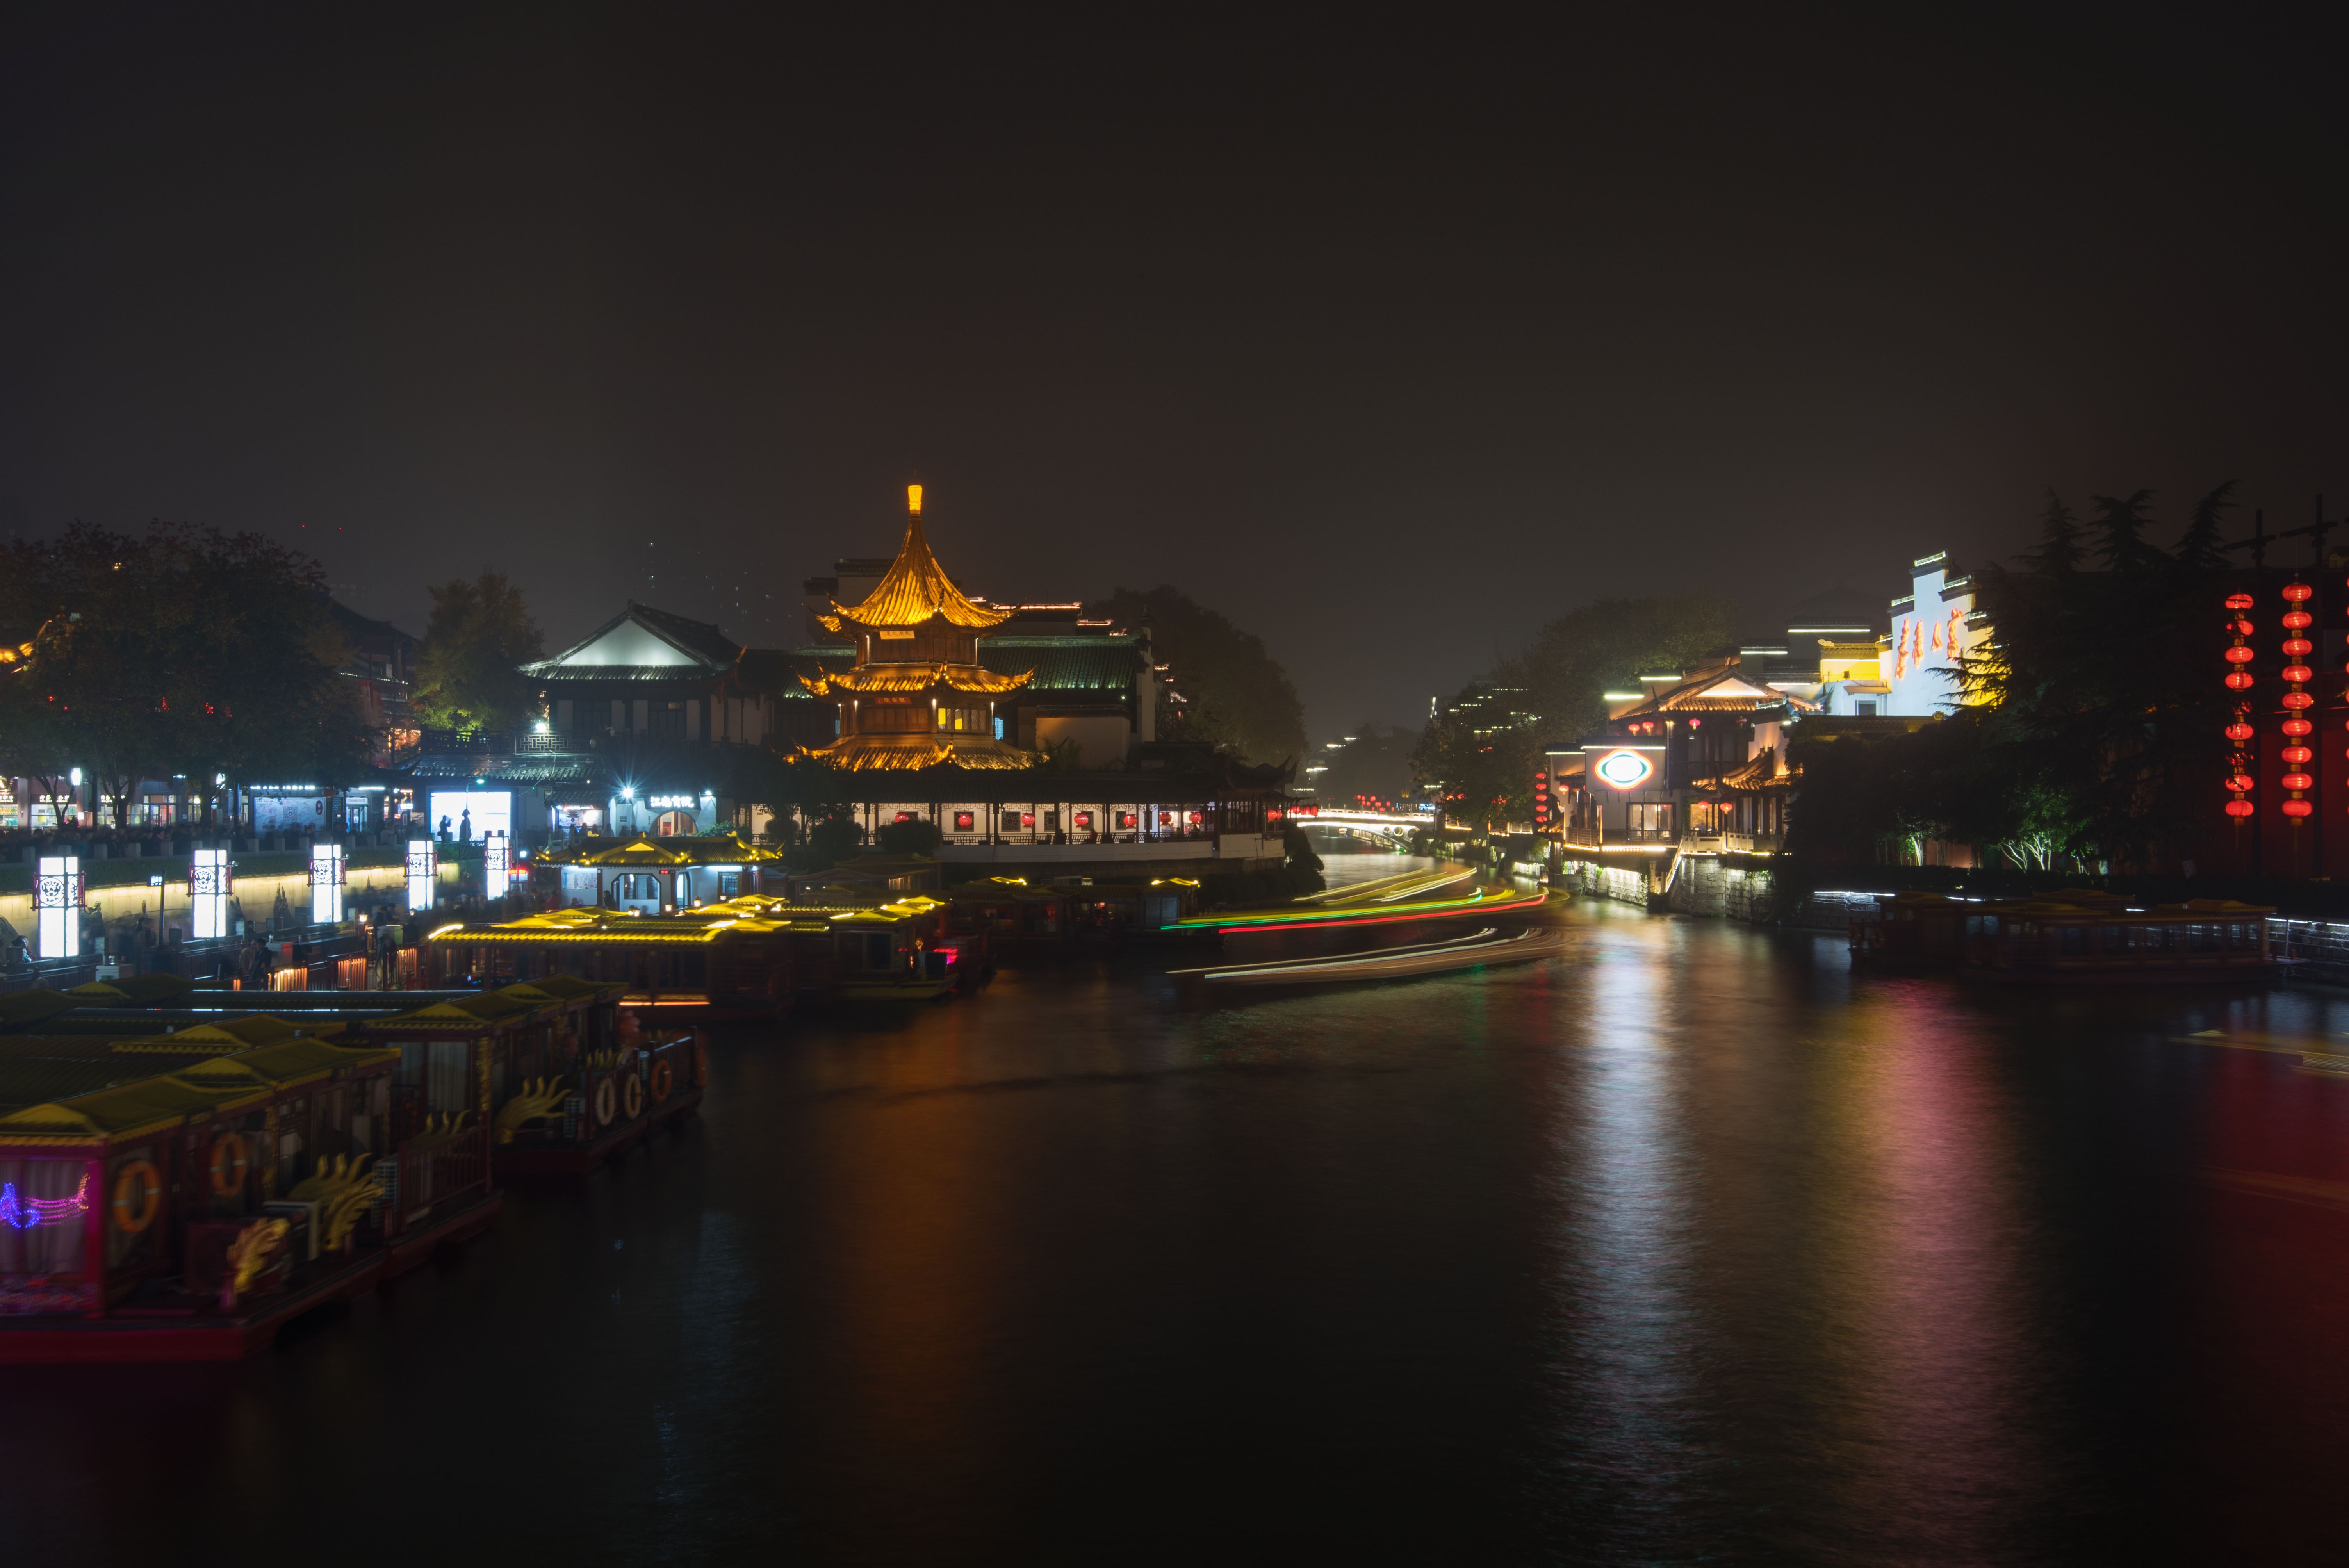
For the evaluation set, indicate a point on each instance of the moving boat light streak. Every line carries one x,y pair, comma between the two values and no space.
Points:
1380,955
1476,904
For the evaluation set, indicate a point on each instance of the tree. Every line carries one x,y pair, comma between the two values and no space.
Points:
1228,690
1606,645
2197,548
187,651
919,837
2060,550
2101,720
469,671
2121,520
1482,755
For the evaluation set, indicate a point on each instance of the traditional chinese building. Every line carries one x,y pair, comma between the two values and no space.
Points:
917,695
1693,768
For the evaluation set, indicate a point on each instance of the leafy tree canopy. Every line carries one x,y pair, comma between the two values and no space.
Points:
1232,692
1488,767
467,672
186,650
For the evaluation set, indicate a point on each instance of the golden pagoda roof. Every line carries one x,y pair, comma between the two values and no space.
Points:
878,677
914,588
910,749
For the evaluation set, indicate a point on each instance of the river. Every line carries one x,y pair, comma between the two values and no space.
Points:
1690,1246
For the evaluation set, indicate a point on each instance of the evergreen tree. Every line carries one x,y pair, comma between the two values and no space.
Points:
2059,538
2121,520
2197,548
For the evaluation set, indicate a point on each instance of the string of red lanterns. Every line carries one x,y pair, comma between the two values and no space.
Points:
2296,726
2238,680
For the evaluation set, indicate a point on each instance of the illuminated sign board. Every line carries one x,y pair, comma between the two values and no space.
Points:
1624,770
327,884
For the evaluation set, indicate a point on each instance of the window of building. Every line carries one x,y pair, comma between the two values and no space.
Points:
1865,709
1653,822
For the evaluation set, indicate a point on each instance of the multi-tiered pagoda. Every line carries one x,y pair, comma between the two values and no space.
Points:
917,696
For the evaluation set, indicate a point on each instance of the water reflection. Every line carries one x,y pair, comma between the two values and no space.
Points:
1684,1246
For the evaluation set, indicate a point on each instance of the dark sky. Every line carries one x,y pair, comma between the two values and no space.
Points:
1389,336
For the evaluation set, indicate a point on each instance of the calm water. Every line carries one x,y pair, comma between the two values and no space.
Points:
1687,1247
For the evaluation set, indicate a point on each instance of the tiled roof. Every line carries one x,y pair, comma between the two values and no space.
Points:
569,768
619,672
1065,664
702,637
913,750
914,589
780,670
700,641
914,678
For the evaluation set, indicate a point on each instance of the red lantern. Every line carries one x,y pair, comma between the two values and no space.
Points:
2239,679
2296,702
2292,727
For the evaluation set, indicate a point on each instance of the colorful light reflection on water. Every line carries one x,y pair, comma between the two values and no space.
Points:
1688,1245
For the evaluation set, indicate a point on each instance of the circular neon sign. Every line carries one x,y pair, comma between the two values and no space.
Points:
1624,768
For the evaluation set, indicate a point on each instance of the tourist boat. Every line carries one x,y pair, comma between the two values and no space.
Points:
182,1197
656,875
2057,940
1482,949
564,1074
1915,931
1045,919
748,956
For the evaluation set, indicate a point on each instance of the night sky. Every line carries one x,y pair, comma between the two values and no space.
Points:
1389,336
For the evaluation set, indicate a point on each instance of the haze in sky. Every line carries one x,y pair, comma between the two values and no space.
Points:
1389,339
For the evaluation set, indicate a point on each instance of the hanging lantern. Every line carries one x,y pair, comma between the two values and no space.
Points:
2239,679
2296,754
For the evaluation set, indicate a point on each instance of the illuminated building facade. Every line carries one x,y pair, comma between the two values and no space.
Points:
1695,762
917,695
1048,678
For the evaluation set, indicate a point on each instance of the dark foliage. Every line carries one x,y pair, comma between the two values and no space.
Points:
1228,689
186,650
919,837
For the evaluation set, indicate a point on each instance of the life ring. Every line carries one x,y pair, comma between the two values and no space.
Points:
664,1079
137,1194
634,1097
230,1162
700,1064
604,1103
